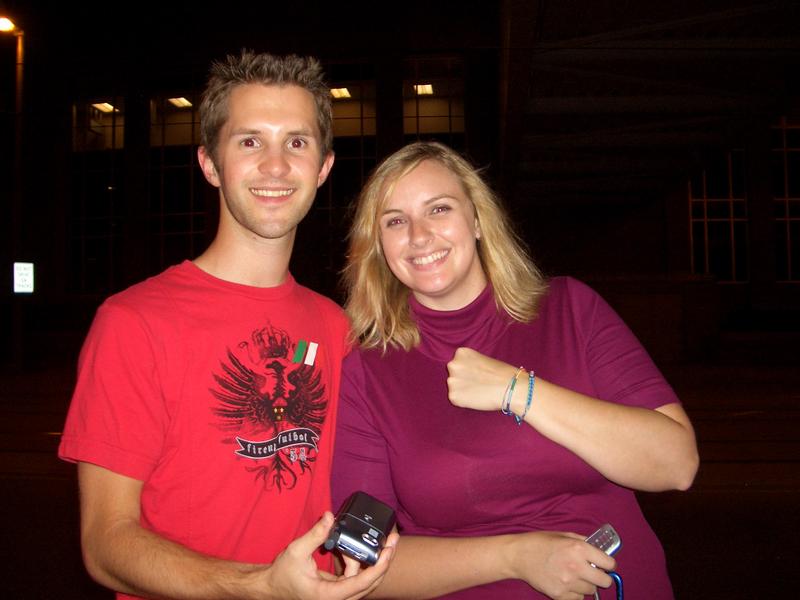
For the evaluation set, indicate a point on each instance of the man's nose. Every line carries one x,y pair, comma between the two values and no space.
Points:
274,163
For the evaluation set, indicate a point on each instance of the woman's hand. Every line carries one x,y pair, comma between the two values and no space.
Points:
559,565
477,381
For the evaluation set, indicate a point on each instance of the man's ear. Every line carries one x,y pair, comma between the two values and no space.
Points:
208,166
327,164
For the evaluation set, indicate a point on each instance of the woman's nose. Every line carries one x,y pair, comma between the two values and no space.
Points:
419,234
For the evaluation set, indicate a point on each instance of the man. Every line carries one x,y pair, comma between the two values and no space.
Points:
204,411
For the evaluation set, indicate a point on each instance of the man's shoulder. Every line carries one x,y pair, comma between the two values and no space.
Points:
151,290
321,301
325,312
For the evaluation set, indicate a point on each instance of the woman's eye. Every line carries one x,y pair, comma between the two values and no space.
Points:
394,221
440,209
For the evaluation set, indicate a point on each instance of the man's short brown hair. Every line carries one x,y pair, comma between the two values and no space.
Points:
266,69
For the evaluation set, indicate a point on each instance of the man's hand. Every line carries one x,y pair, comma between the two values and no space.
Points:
294,573
122,555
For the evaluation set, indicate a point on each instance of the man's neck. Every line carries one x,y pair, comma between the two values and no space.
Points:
258,263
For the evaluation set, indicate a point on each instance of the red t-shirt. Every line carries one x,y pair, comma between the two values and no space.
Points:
221,398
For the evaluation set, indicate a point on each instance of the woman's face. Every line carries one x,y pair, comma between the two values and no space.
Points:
428,231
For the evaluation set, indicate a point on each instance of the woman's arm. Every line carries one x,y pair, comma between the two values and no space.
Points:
556,564
640,448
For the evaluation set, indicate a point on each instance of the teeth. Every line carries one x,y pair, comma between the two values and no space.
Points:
426,260
271,193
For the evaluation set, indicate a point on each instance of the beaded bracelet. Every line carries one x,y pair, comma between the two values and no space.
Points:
505,405
531,380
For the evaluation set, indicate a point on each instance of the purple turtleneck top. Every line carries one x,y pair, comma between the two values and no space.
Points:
458,472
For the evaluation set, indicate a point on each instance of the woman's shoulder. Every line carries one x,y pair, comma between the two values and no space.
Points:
374,358
567,287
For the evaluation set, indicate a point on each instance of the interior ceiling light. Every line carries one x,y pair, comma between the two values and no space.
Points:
340,93
180,102
424,89
104,107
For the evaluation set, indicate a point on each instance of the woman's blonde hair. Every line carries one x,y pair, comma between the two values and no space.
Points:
377,302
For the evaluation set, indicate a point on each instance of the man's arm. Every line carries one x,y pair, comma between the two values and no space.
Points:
120,554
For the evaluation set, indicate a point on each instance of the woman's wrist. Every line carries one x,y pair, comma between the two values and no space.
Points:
508,394
521,555
520,397
510,550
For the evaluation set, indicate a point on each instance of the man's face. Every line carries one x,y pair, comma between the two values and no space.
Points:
268,164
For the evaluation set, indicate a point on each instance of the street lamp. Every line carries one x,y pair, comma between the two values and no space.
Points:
17,325
8,26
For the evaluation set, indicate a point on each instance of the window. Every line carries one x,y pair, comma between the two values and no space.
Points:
354,110
718,219
96,199
786,198
433,101
177,215
98,125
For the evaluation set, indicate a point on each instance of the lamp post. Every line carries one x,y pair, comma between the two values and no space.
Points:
17,325
8,26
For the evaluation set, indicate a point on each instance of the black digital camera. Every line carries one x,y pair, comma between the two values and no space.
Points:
361,527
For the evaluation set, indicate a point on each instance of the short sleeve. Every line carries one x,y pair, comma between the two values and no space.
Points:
360,460
117,417
620,367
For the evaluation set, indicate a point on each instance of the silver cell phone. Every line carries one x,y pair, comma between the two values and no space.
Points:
606,539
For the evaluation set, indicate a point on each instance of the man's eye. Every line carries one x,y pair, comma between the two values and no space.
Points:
250,143
297,143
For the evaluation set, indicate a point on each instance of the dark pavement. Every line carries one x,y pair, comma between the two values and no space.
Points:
732,536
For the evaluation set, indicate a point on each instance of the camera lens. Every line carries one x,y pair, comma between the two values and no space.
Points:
333,538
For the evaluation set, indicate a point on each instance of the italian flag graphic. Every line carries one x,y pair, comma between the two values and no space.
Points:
305,349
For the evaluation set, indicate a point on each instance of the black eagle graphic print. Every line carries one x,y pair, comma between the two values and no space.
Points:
273,404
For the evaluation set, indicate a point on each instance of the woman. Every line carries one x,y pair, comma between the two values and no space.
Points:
504,416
